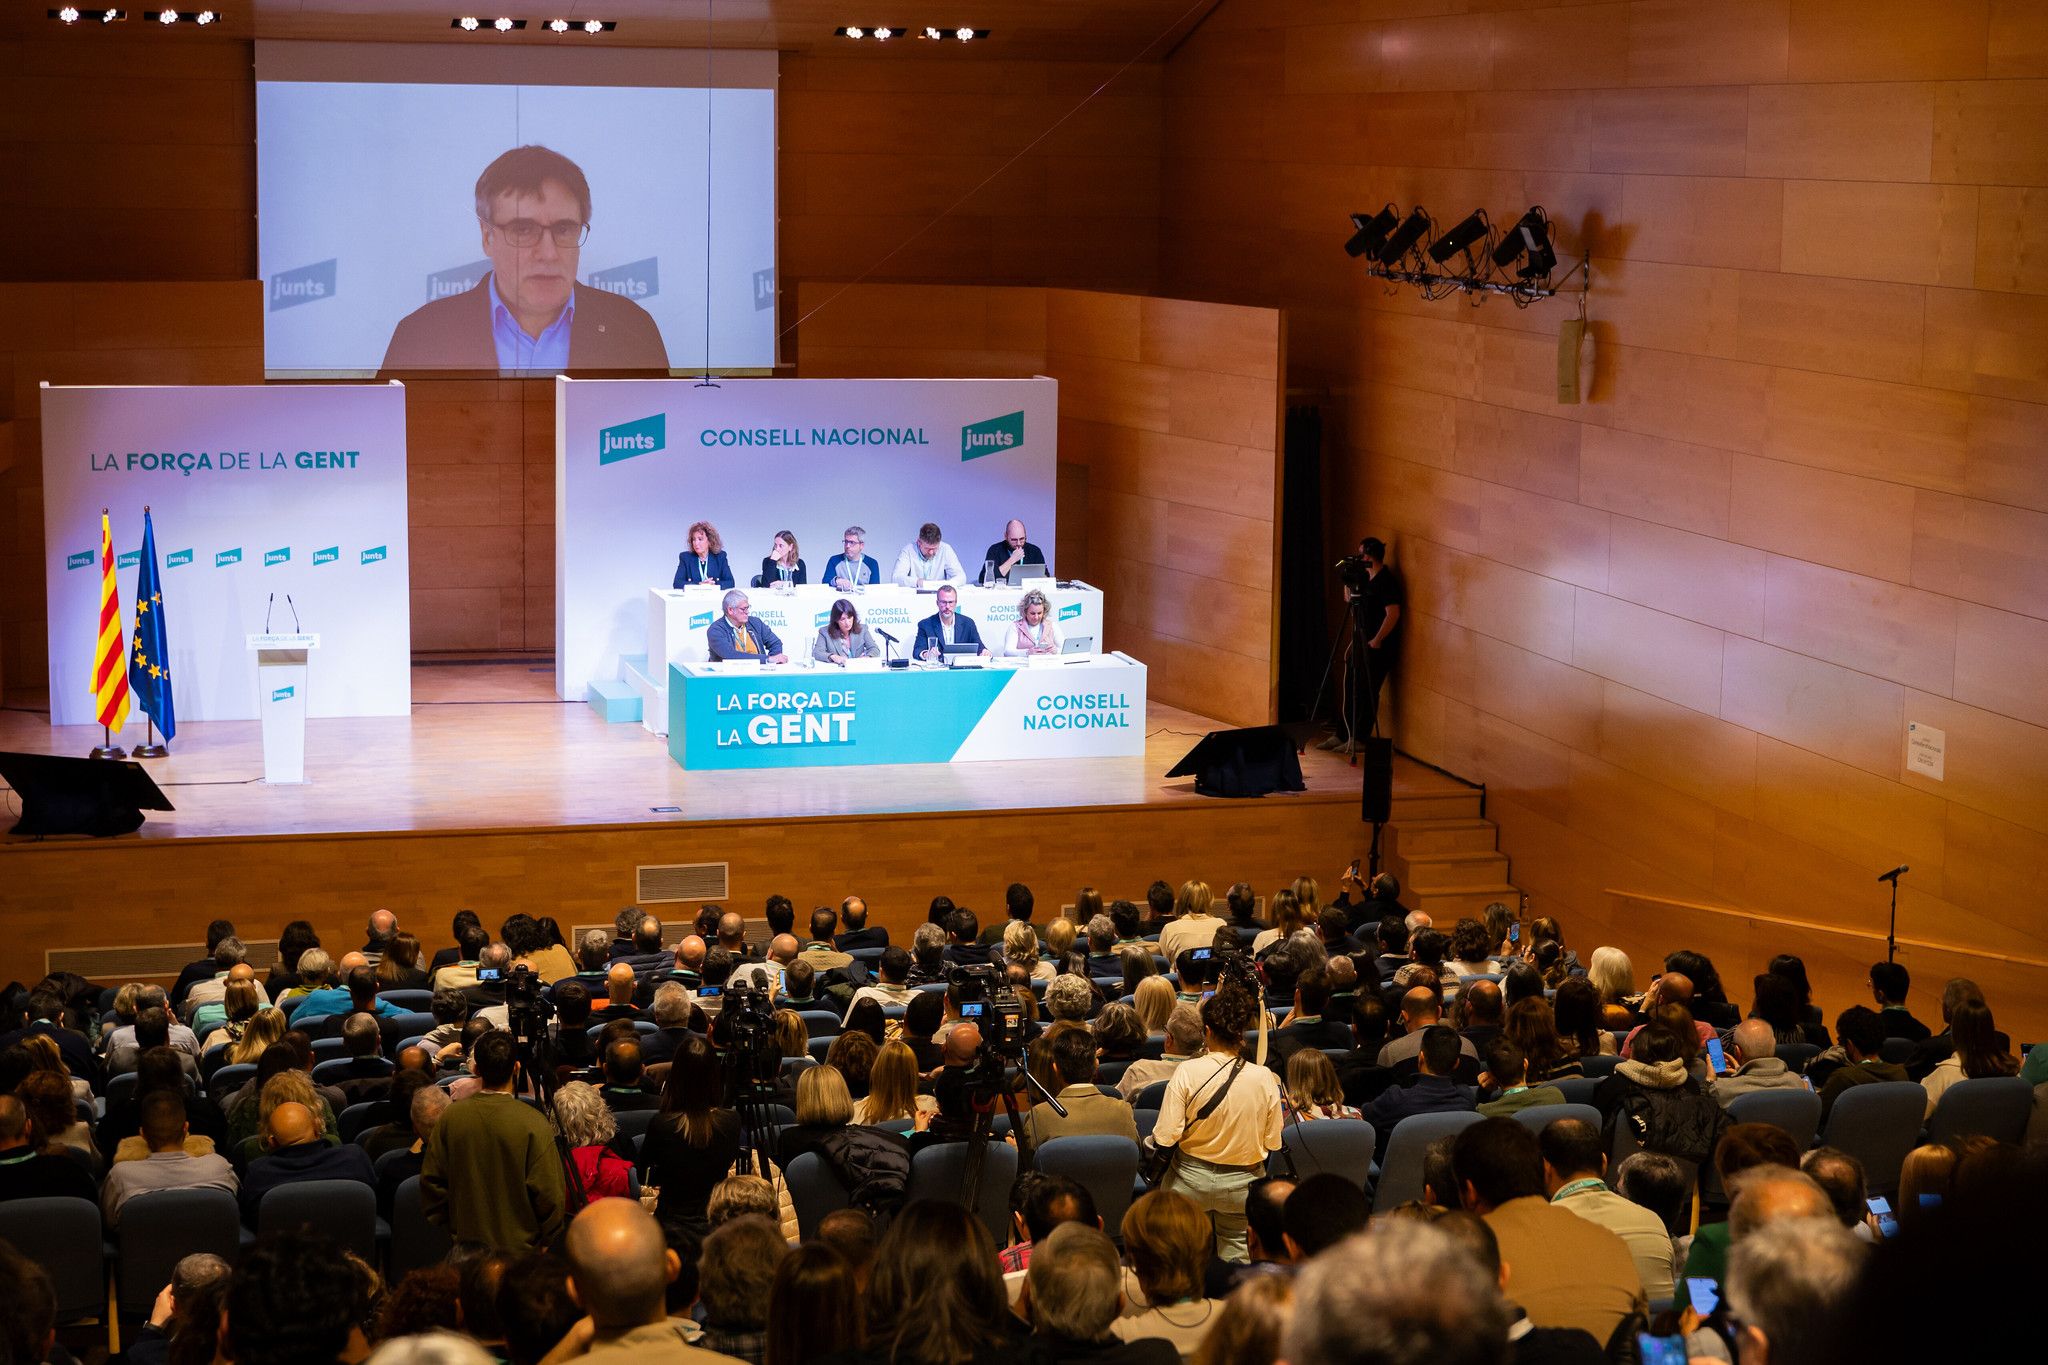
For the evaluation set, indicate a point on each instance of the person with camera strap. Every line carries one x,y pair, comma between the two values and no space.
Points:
1219,1119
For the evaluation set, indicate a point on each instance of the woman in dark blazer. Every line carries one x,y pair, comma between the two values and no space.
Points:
782,559
704,561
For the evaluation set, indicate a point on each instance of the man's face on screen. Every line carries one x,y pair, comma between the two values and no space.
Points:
533,280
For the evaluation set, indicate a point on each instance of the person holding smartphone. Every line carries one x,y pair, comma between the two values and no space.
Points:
1751,1063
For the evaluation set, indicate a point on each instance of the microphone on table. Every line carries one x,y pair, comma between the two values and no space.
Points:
1893,875
268,608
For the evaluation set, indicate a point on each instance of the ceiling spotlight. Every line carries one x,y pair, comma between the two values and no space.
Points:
503,25
1460,238
933,33
1531,236
1405,237
883,35
204,17
593,25
69,14
853,31
965,35
558,25
468,23
111,16
1371,233
169,16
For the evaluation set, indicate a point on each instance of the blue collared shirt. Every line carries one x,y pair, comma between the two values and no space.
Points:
518,351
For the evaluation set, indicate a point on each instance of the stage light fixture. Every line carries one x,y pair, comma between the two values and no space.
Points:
167,17
596,25
558,25
502,24
468,23
68,15
1405,237
204,17
853,31
968,35
112,16
1371,233
1460,238
884,34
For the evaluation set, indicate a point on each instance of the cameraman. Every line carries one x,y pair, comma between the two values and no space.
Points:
1374,593
949,1086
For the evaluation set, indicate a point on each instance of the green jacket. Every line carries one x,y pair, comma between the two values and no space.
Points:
491,1173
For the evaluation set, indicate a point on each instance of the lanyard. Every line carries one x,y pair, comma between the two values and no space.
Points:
1577,1186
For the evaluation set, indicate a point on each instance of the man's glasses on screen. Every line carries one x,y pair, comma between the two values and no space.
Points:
524,232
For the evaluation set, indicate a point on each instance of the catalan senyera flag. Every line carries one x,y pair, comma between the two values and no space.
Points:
110,657
149,650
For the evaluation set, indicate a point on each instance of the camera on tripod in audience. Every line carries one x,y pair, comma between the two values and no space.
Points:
527,1010
988,1002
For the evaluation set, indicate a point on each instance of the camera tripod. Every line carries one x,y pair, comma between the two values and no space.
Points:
981,1101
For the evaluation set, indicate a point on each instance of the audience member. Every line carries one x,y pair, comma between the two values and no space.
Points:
491,1173
1090,1108
935,1297
1183,1041
1219,1154
296,1154
736,1276
1574,1170
1979,1051
619,1272
294,1299
1167,1239
1507,1077
1403,1294
692,1142
1753,1050
167,1167
1074,1299
27,1171
1743,1147
1322,1211
1434,1090
1785,1283
188,1308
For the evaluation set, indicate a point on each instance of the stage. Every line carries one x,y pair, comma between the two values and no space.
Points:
497,796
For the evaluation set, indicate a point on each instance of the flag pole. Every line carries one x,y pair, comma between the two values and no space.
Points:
152,749
107,748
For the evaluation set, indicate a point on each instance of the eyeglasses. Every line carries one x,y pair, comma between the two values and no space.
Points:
523,232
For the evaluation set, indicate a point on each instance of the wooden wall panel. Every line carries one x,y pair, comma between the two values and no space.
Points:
1814,450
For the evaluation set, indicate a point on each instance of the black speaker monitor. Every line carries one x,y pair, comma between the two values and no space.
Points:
1249,762
79,795
1376,758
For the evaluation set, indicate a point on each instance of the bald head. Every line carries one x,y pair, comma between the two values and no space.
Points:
732,931
242,971
1752,1039
351,961
14,1127
619,1265
292,1124
415,1058
784,948
383,924
1419,1008
690,952
1674,988
618,983
1482,1002
1770,1194
962,1044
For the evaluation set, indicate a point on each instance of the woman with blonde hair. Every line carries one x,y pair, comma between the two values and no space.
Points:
242,1002
1020,945
1612,975
1059,942
1033,633
1154,1001
44,1055
792,1037
1313,1091
1285,913
589,1126
1310,896
892,1097
1167,1242
263,1028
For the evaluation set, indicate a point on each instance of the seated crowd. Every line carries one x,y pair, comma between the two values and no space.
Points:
601,1128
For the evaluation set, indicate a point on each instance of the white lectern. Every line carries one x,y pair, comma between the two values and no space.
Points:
281,701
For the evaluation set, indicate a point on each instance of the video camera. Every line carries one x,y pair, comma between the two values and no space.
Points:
527,1010
986,999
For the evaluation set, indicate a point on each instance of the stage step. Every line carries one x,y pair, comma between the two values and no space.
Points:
1415,838
1428,872
614,700
1435,805
1448,904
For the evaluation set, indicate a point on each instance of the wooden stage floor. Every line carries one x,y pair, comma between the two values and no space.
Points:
488,746
495,796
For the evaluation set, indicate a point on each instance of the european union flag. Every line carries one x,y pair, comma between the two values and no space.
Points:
149,658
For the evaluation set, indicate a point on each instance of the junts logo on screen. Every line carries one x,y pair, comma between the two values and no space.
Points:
227,557
628,439
458,279
305,284
281,555
635,280
176,558
995,435
128,559
374,555
702,618
327,556
80,560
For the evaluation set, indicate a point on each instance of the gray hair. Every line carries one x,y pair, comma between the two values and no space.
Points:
671,1005
429,1102
1404,1294
1101,931
732,599
1417,919
593,949
315,965
230,952
1075,1280
496,955
928,936
586,1122
856,532
1069,997
1763,1195
1184,1032
1307,949
431,1348
195,1272
1786,1277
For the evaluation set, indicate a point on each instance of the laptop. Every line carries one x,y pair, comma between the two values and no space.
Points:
1078,644
963,655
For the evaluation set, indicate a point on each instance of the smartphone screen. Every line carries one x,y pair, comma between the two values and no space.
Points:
1654,1350
1705,1295
1354,867
1716,1056
1514,932
1887,1225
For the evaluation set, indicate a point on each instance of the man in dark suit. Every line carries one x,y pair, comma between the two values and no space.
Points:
853,918
948,627
1005,560
529,314
736,635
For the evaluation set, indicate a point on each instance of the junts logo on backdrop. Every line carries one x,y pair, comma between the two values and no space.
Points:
628,439
328,555
458,279
1070,611
80,560
227,557
374,555
306,284
764,290
992,437
128,559
634,280
281,694
702,618
281,555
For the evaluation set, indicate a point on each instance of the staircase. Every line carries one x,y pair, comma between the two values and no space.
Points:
1445,852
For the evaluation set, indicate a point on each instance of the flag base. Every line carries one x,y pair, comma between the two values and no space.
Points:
149,751
108,751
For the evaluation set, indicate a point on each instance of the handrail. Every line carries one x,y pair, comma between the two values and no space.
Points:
1871,934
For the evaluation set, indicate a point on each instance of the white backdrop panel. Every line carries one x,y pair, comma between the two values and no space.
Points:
295,489
638,460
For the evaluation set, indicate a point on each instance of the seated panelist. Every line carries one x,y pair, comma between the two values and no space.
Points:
1007,557
948,627
1033,632
704,561
844,637
928,559
854,568
782,564
736,636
